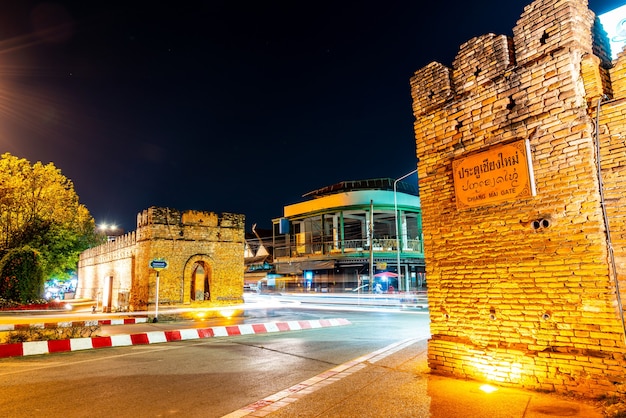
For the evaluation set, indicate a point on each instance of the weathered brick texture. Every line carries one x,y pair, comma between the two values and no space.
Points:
183,239
510,303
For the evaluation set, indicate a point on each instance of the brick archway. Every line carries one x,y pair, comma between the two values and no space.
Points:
191,278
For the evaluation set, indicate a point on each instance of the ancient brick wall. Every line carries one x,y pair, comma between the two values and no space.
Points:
183,240
521,291
113,259
609,112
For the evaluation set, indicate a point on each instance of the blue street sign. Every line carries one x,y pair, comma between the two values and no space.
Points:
158,264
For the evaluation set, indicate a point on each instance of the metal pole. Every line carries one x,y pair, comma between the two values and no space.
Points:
371,239
395,203
156,309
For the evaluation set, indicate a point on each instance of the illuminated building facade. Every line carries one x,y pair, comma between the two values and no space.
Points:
332,241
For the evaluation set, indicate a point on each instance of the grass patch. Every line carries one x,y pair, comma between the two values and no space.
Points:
34,333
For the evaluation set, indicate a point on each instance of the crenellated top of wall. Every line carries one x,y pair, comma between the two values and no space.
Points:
123,241
173,217
544,28
179,220
159,216
480,60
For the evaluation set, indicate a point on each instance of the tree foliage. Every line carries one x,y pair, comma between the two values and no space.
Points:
40,209
21,275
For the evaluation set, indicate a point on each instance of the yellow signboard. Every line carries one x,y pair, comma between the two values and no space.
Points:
502,173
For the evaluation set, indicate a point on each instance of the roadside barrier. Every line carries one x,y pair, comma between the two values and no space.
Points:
153,337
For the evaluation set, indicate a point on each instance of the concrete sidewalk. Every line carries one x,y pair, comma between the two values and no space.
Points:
396,382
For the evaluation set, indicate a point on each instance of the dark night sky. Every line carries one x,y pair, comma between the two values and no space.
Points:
223,106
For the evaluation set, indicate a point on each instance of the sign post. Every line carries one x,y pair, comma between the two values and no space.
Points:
157,264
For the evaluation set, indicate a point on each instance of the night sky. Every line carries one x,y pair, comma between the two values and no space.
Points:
223,106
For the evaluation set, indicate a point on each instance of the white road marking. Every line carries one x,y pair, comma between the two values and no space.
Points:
285,397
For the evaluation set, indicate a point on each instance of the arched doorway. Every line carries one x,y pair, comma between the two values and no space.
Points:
200,289
197,278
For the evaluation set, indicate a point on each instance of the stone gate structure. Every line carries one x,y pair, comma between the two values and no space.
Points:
523,203
204,255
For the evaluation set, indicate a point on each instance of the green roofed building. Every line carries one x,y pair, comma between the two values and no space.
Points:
349,237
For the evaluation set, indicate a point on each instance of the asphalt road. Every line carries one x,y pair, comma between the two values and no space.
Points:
199,378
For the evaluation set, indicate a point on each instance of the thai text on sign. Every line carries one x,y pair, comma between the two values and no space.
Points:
502,173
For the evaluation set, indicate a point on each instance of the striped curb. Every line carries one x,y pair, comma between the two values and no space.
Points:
69,324
75,344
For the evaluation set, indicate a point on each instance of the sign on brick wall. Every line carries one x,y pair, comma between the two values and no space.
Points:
501,173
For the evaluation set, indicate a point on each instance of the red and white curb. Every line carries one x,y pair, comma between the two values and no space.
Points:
285,397
75,344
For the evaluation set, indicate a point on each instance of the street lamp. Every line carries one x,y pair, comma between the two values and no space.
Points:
106,227
109,230
395,204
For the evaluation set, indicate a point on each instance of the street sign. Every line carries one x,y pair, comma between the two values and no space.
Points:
158,264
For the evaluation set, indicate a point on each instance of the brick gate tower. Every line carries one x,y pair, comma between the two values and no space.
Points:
522,200
204,256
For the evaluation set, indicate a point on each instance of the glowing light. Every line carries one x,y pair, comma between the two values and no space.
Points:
227,313
107,227
614,23
488,388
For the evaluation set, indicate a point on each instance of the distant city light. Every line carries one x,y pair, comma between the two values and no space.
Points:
614,23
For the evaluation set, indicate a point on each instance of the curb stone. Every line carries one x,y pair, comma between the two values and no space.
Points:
75,344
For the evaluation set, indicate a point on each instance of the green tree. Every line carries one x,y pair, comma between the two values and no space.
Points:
40,209
21,275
